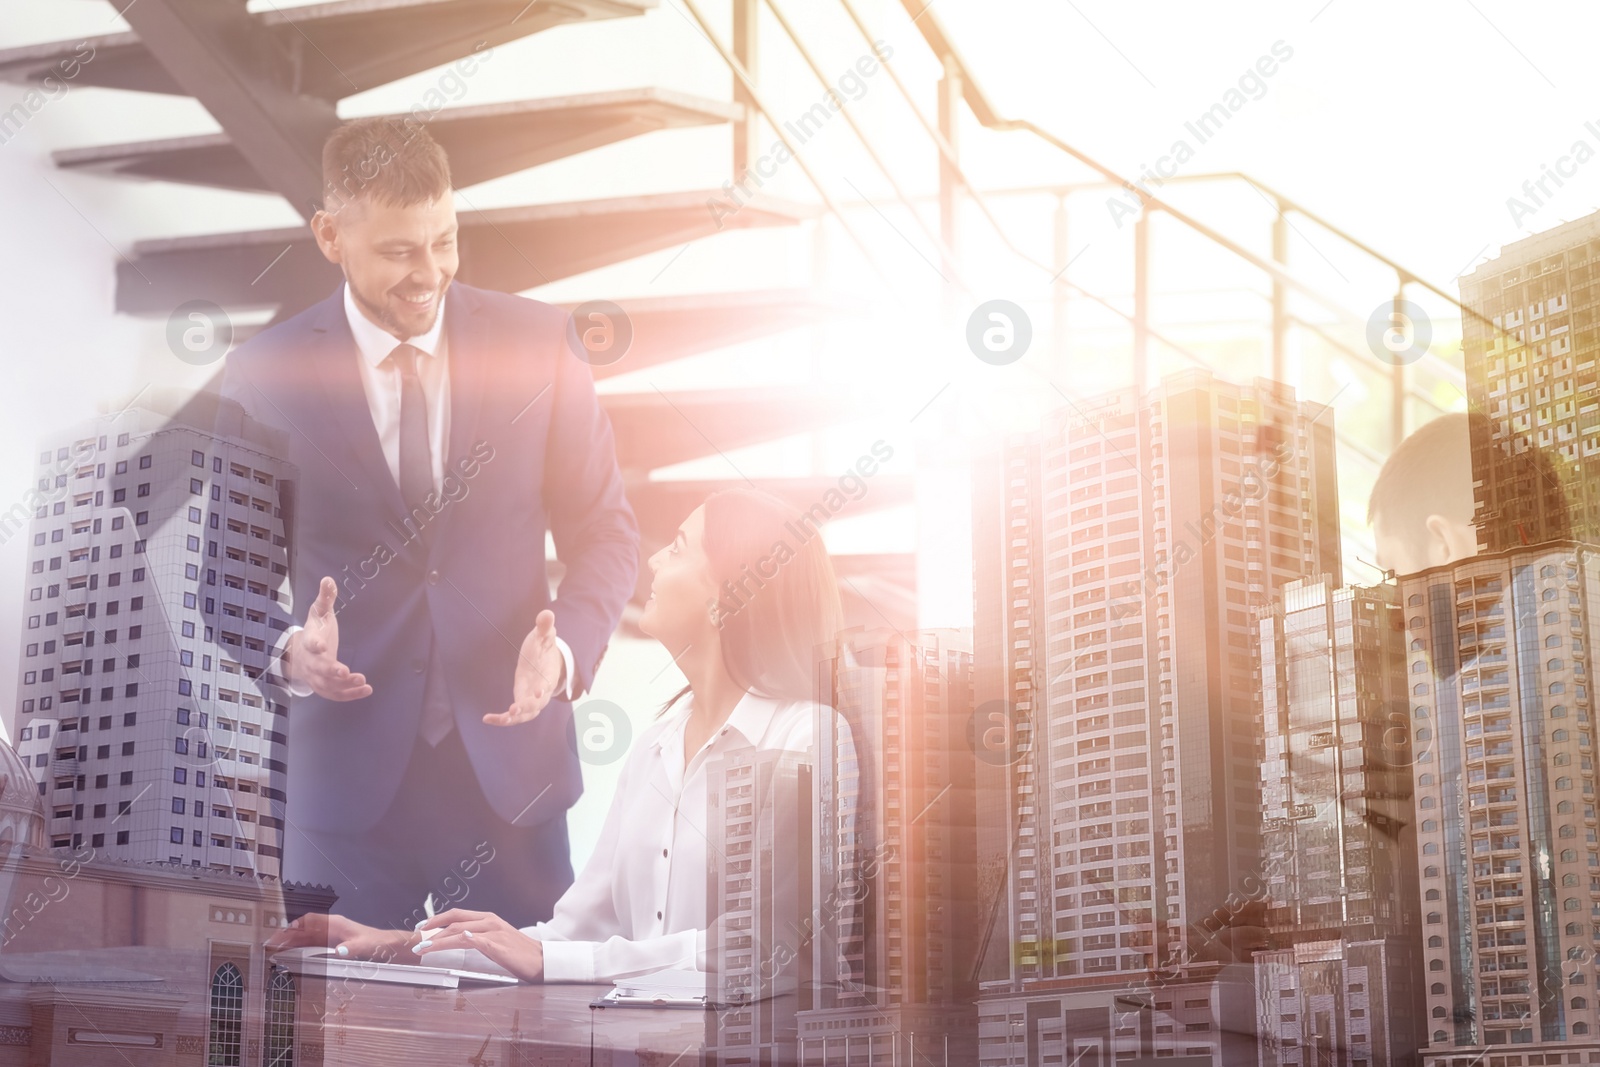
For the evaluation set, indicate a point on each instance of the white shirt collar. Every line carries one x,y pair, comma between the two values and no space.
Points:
752,716
375,343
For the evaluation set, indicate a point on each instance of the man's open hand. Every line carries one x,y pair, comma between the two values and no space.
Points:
539,665
312,655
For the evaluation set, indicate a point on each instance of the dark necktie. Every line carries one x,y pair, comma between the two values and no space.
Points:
416,482
416,459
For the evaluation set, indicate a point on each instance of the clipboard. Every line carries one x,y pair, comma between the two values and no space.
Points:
670,988
625,998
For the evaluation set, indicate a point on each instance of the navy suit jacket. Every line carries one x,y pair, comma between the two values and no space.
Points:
530,450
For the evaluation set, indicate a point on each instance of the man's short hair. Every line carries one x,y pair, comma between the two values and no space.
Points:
1429,474
394,163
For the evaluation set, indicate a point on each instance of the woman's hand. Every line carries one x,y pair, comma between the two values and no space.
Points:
348,937
489,934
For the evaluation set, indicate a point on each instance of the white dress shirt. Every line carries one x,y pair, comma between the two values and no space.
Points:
380,379
639,904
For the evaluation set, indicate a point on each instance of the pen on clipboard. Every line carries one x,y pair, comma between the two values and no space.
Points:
427,911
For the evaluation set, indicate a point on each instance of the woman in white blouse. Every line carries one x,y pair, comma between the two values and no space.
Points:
744,604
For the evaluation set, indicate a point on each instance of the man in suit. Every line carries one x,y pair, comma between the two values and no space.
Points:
440,431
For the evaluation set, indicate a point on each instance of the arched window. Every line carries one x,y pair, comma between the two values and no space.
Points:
1557,687
1418,645
1421,712
1562,759
1580,1028
227,1017
1436,942
1420,689
1548,594
1579,1003
1431,848
1564,808
1573,929
1555,665
1436,965
1551,618
1553,641
1569,855
1570,904
1414,600
1563,783
1419,667
1559,735
1568,831
1429,802
1424,734
1430,825
1430,872
1433,917
1558,712
1547,571
1416,622
1438,1012
280,1019
1426,779
1433,894
1569,879
1438,1037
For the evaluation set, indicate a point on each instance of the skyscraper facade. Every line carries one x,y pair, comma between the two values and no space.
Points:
1132,804
1530,344
1340,980
142,706
759,883
1509,846
896,842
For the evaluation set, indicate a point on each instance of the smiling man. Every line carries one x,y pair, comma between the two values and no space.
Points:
440,432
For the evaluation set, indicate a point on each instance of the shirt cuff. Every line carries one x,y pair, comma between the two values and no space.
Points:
295,689
565,693
569,961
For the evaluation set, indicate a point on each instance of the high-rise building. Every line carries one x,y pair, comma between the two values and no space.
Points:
895,947
1509,846
1531,371
142,710
758,887
1340,981
1129,541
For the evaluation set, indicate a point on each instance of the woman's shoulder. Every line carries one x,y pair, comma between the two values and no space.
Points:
794,725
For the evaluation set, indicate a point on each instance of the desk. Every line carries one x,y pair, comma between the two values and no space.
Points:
377,1024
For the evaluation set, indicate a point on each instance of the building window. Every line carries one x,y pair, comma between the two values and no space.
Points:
227,1017
280,1018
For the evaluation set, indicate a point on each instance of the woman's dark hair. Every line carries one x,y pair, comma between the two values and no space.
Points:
777,596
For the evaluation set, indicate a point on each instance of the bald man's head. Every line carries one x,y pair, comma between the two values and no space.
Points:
1422,504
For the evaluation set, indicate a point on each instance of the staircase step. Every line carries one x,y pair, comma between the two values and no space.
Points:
875,590
655,430
340,48
878,589
662,505
668,328
509,249
483,142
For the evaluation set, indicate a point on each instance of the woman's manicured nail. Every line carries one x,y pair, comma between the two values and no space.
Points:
467,932
421,945
343,951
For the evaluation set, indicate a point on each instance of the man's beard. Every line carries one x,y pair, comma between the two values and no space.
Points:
380,312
